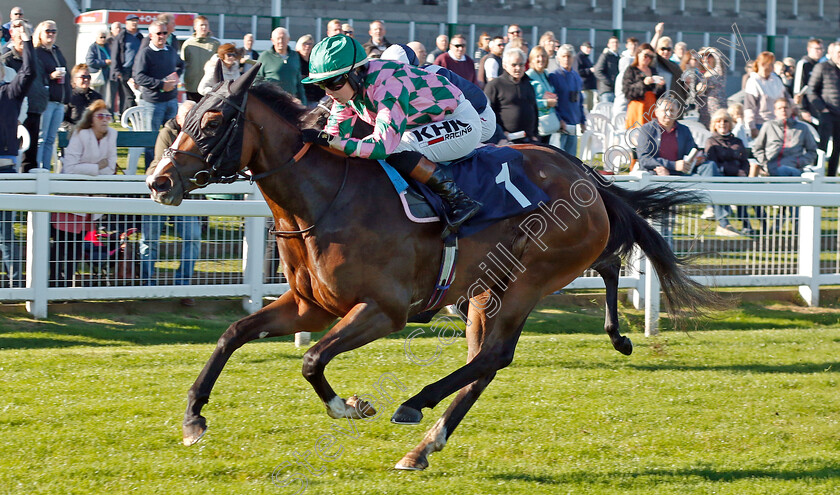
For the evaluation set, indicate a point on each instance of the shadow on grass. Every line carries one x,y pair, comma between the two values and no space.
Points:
798,368
825,472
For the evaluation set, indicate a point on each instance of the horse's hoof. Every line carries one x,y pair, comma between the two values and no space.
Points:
625,346
352,408
412,462
194,430
405,415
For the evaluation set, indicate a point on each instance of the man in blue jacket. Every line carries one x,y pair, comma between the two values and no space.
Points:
11,98
569,108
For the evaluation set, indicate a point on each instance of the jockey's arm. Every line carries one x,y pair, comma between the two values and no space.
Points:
389,124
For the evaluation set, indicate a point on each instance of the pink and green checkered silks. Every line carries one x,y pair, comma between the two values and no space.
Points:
396,98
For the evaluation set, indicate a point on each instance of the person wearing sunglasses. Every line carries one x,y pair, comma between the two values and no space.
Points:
92,150
642,85
55,69
98,60
418,118
11,99
457,60
228,56
82,96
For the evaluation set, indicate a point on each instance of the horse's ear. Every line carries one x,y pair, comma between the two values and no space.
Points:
245,80
219,75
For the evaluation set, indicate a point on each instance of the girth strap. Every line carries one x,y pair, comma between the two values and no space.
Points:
447,272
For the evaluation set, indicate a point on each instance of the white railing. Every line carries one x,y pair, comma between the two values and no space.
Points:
790,256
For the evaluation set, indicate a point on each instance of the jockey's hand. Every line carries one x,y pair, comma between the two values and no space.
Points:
315,136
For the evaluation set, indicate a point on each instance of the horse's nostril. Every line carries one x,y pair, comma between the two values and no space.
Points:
161,184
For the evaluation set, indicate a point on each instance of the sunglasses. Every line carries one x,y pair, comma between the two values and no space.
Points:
84,77
103,116
458,46
230,54
347,32
514,32
648,55
333,84
103,37
51,31
162,33
666,48
17,13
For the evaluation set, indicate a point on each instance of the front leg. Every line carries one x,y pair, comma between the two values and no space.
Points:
284,316
364,323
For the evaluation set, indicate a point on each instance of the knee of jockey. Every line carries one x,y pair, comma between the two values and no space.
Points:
404,161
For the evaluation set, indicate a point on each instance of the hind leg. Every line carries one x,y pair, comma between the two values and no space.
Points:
609,270
282,317
435,439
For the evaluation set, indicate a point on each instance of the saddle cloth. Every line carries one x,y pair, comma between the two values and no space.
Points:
492,175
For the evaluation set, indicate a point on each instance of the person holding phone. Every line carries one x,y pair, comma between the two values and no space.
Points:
642,85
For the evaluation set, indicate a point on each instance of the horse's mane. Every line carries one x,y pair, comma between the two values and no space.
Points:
281,102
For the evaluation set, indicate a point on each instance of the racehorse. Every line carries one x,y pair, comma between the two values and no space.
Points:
354,256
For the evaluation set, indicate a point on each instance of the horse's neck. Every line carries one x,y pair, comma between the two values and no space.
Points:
299,191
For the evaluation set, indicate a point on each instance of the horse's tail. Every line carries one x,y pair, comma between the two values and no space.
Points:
629,212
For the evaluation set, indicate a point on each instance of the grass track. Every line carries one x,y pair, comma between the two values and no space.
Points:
93,403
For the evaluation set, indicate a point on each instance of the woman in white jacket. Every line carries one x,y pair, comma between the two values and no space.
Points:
229,56
92,150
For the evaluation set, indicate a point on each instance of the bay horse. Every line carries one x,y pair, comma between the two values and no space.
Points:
354,256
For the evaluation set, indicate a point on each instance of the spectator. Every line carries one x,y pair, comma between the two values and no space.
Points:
441,45
642,86
249,55
418,49
824,96
549,42
187,227
670,71
304,49
156,70
14,15
714,80
112,85
11,99
92,150
37,96
456,59
679,50
195,52
736,111
169,21
782,71
282,66
606,71
802,75
98,60
514,33
513,100
114,30
516,44
548,121
664,148
490,64
124,50
582,64
55,66
731,157
333,27
482,46
347,29
229,57
569,109
784,146
627,57
763,88
82,95
377,42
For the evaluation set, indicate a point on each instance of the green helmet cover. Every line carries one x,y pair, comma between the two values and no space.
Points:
334,56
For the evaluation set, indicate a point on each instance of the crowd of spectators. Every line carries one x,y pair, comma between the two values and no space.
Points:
666,91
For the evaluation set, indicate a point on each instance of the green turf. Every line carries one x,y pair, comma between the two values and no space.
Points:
748,404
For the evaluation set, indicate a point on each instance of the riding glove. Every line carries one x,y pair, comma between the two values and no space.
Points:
315,136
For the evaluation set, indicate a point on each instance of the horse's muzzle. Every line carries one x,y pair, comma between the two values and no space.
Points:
162,190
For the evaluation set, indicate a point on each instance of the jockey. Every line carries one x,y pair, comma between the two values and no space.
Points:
404,53
418,118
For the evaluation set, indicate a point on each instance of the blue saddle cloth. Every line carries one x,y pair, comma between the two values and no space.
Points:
492,175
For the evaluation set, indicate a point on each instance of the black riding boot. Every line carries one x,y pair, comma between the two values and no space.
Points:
459,206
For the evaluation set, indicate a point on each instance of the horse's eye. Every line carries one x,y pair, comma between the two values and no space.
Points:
213,124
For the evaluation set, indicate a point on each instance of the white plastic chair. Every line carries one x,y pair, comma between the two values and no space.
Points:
619,122
597,137
603,108
819,166
137,118
25,142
